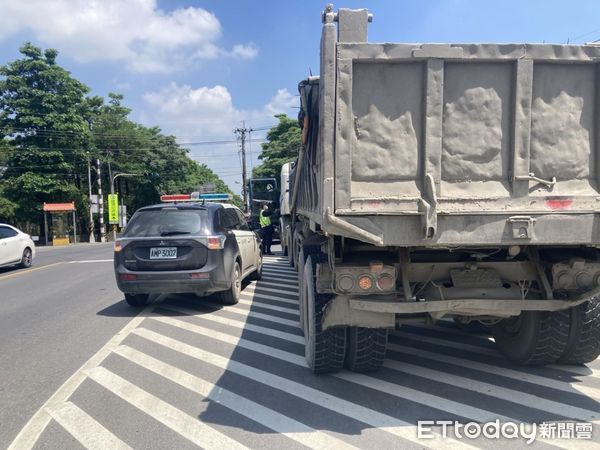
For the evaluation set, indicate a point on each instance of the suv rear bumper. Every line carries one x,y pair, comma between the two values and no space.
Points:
212,277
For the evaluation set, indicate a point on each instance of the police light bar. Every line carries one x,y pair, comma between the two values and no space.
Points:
195,197
216,197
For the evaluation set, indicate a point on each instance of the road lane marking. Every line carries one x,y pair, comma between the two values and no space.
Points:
515,396
33,269
293,285
491,352
256,302
252,287
338,405
267,417
280,272
223,337
32,430
497,370
238,309
269,297
185,425
510,395
85,429
247,326
91,261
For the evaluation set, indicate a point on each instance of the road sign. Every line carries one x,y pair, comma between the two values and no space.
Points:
113,209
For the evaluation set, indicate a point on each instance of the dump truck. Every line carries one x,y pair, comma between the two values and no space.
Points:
447,181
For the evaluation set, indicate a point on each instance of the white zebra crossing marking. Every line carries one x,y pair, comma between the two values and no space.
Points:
235,324
293,285
224,337
420,397
187,426
31,432
271,419
489,351
253,294
406,393
85,429
275,291
279,275
374,418
497,370
511,395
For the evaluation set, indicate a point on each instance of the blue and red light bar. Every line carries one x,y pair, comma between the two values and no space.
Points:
194,197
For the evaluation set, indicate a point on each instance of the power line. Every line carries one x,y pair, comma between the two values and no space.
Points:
586,34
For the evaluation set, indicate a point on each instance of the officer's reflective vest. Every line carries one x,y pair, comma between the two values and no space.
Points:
265,221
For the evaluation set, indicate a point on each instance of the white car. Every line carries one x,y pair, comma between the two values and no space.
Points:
16,247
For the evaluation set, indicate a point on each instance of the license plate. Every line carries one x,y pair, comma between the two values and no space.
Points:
163,253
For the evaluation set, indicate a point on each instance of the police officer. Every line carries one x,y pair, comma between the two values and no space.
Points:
266,229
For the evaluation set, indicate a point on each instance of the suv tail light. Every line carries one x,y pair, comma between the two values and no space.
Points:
213,242
118,246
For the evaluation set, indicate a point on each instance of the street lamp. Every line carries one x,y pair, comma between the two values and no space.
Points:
112,191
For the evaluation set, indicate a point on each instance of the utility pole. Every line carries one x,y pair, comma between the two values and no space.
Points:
100,203
241,133
91,225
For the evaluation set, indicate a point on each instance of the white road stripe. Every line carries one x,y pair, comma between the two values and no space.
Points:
280,423
269,317
457,408
272,276
256,301
450,406
282,272
187,426
253,293
87,431
236,324
90,261
492,352
369,416
227,338
511,395
266,289
31,432
293,285
496,370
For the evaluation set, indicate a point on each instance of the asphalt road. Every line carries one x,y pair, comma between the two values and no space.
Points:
188,373
53,318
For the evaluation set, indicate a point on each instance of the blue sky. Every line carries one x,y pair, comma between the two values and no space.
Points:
198,68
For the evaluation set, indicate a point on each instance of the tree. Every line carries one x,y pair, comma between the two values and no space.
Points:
284,141
41,109
49,128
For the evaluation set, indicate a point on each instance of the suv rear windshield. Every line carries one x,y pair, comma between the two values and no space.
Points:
167,222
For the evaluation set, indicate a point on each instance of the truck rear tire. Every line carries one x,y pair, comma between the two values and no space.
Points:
304,252
365,348
533,337
325,350
583,344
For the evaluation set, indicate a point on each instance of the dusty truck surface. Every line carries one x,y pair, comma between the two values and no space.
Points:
447,181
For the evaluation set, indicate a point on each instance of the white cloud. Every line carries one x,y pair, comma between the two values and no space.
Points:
135,32
209,114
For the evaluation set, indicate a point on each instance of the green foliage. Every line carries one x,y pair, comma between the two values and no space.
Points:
284,141
49,128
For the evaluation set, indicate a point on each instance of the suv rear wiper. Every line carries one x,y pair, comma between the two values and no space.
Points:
172,233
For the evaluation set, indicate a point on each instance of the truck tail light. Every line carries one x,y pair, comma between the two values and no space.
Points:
365,282
385,282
